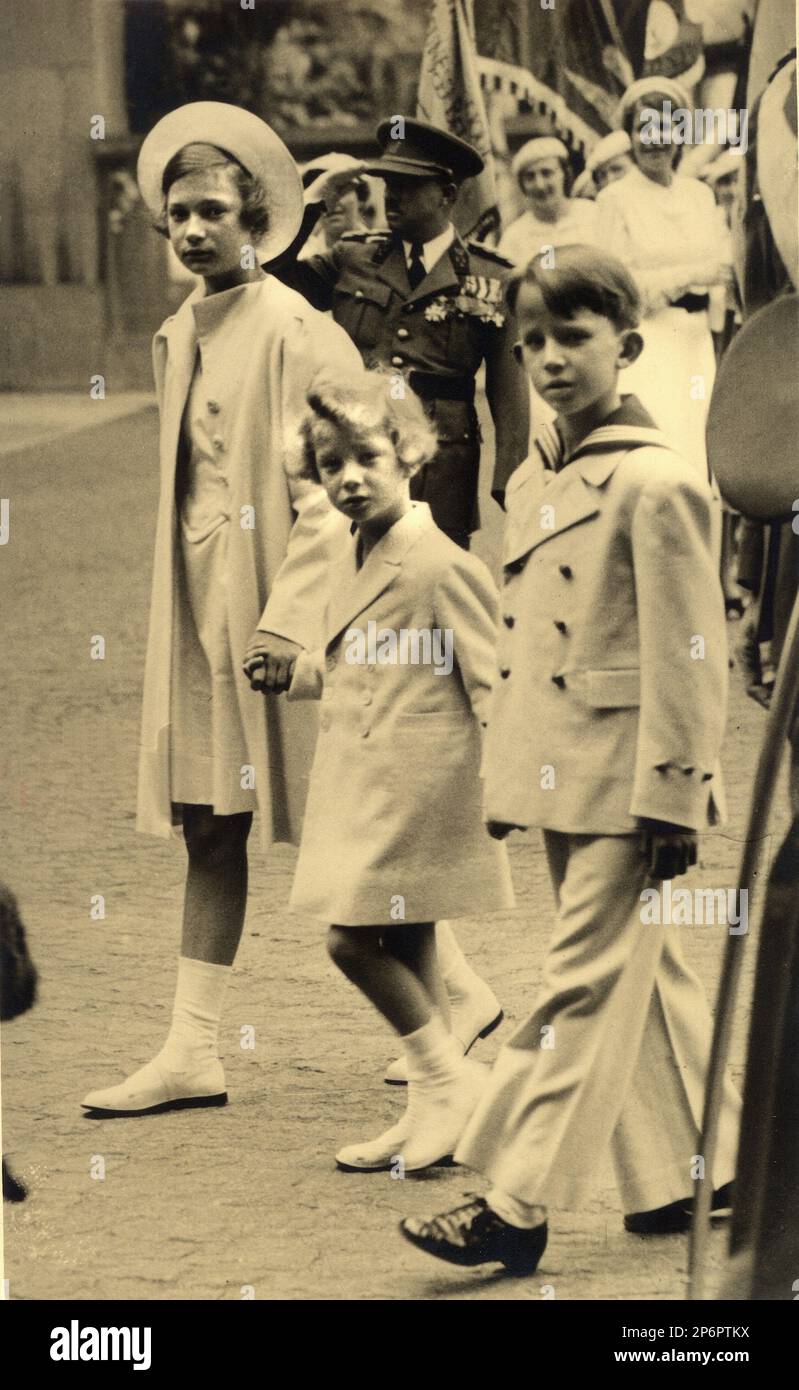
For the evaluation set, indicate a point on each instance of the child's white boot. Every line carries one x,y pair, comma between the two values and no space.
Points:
444,1089
375,1155
187,1071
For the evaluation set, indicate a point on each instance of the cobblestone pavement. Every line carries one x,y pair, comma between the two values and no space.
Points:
242,1200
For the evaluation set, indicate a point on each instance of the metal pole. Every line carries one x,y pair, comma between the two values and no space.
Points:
781,715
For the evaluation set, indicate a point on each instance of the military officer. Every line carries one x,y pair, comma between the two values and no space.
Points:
418,299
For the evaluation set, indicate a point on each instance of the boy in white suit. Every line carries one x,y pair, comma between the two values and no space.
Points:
611,697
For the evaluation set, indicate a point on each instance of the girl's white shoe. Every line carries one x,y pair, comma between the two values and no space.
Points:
156,1087
374,1155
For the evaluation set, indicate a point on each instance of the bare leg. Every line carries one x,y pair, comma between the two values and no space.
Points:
399,974
187,1070
418,951
216,884
392,983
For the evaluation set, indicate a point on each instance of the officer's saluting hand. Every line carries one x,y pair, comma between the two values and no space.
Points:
417,299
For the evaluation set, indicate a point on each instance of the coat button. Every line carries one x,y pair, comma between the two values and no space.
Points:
560,625
364,733
218,442
505,672
366,699
559,681
359,294
330,663
566,571
508,619
403,333
213,406
397,361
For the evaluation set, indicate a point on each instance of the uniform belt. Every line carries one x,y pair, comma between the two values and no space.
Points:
442,388
692,303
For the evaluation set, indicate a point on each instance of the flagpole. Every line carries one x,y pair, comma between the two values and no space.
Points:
781,715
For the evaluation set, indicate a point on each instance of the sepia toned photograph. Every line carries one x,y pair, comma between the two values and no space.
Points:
399,810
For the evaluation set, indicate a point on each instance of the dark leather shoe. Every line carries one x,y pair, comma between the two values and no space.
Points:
676,1218
474,1235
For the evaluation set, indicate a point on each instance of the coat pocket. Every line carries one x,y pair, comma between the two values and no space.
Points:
613,689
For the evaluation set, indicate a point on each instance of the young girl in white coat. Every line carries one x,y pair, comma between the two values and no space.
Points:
240,562
393,836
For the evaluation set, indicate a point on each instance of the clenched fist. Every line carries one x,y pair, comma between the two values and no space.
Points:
269,661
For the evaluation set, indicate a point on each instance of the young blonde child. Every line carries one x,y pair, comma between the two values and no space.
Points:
393,837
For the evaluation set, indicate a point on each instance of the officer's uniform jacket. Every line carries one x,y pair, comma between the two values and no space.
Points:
438,335
610,697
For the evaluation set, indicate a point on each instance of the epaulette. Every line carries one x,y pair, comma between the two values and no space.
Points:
490,254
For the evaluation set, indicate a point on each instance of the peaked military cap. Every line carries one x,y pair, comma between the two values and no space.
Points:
418,149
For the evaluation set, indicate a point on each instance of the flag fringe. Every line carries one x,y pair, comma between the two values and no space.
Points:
497,76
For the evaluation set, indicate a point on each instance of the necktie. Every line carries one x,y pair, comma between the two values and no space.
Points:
416,270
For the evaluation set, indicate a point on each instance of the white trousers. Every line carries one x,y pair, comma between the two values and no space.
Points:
614,1054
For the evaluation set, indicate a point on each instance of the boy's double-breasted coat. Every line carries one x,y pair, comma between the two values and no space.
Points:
612,628
609,707
393,829
261,344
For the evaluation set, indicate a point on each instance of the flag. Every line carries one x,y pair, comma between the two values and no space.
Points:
450,96
569,63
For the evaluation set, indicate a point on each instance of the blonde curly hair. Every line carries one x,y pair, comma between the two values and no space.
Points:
364,403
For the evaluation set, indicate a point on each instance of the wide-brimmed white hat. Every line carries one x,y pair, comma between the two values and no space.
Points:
776,163
254,144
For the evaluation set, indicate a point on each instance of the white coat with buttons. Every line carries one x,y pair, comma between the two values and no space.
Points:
261,345
611,691
393,828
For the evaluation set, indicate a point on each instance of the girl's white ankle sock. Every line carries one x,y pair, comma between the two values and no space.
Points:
193,1036
433,1053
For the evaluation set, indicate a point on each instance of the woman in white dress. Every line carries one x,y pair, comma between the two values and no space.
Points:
552,218
667,229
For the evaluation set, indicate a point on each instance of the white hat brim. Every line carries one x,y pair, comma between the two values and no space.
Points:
253,143
776,164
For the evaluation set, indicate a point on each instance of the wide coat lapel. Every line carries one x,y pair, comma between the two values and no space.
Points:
174,354
353,590
392,268
544,505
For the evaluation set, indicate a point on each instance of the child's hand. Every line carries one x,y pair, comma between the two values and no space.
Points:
498,829
669,850
269,661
